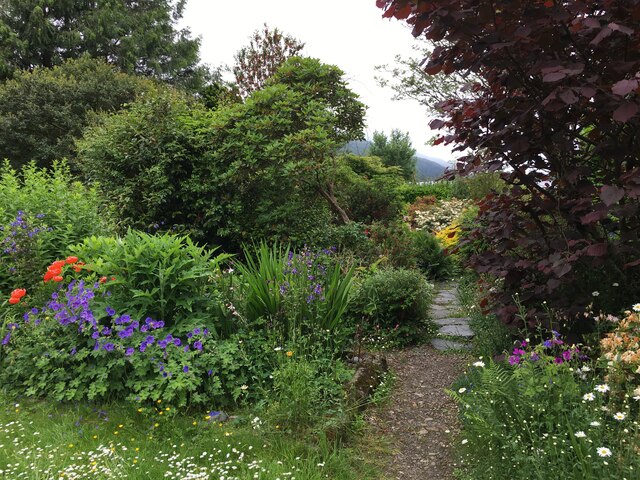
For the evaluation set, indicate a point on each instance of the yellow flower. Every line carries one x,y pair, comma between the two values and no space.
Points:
289,353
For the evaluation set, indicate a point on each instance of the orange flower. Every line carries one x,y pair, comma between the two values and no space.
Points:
48,276
55,270
58,278
14,300
71,260
103,279
19,293
58,263
77,268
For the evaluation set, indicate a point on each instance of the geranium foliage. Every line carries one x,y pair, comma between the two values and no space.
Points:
557,110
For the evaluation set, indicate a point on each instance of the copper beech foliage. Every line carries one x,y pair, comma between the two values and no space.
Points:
559,114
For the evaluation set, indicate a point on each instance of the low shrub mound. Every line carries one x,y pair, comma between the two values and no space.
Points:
391,306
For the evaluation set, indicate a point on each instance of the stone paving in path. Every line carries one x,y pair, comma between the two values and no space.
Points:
454,332
421,420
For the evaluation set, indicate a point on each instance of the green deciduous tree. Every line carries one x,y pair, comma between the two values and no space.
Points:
138,36
42,112
409,80
395,150
267,51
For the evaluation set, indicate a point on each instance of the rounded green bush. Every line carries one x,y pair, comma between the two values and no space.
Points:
393,304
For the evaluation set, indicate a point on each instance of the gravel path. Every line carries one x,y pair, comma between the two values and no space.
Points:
420,420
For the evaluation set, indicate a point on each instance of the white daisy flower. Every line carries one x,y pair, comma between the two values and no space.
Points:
479,364
619,416
603,388
604,452
636,307
580,434
595,423
462,390
589,397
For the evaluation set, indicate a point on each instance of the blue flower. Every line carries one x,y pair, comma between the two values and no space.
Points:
110,311
129,351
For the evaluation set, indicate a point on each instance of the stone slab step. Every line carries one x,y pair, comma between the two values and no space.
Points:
438,311
444,345
457,331
452,321
445,302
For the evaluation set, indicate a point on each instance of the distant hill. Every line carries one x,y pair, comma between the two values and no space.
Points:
427,167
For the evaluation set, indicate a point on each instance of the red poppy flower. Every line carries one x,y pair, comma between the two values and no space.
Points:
103,279
14,300
58,278
71,260
19,293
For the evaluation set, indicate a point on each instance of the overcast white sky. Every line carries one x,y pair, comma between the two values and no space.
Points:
348,33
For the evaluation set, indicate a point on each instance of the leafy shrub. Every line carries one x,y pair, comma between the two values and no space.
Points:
478,186
430,257
261,169
42,212
163,276
441,190
547,409
368,190
392,245
392,303
142,156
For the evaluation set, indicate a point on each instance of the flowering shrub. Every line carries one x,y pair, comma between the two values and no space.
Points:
440,215
621,355
545,409
69,350
297,294
21,250
449,235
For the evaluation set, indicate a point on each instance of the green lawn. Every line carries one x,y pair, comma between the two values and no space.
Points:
40,440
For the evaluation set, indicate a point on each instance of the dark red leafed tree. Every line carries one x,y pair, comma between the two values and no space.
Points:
559,113
257,62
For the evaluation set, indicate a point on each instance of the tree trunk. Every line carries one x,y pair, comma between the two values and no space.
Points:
333,202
